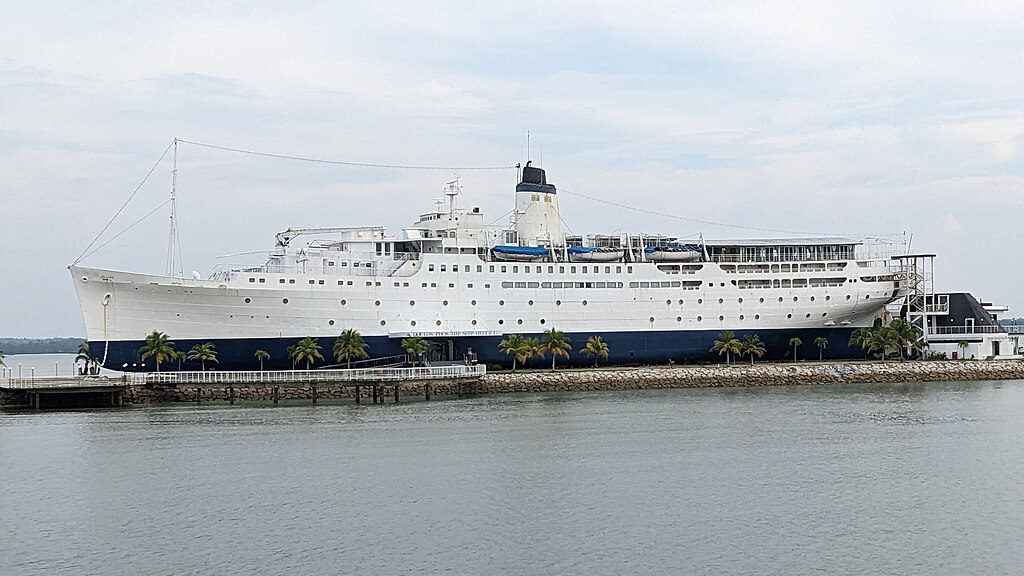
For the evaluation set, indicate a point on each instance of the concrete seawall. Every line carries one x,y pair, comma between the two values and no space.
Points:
571,380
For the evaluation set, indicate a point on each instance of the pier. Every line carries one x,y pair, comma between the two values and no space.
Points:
64,392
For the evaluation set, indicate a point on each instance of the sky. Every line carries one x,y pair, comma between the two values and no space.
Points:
773,118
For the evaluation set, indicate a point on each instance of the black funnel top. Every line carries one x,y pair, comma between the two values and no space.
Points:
534,180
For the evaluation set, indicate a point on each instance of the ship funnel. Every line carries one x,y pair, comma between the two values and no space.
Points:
537,219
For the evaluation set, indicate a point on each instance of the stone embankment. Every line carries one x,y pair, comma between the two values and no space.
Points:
590,379
747,375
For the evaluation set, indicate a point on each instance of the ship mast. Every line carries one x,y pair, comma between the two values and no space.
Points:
174,211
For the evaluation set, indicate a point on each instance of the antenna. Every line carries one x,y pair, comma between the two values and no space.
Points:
174,211
528,145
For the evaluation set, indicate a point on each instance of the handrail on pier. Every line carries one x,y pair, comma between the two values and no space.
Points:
313,376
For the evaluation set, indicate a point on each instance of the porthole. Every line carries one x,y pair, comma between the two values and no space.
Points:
740,300
520,321
651,319
757,316
668,302
376,302
382,322
231,316
584,302
808,315
679,318
558,302
680,301
330,322
789,315
823,314
500,321
343,302
445,303
780,298
412,323
699,318
847,296
473,322
700,300
795,298
284,301
473,302
248,300
501,302
721,301
412,302
761,300
741,316
541,320
438,323
85,278
812,298
530,303
867,296
721,318
827,298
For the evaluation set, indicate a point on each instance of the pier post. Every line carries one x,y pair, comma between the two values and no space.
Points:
314,394
426,391
231,394
375,392
277,394
397,386
357,393
199,394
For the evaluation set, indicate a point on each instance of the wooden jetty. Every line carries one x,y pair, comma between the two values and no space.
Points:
67,392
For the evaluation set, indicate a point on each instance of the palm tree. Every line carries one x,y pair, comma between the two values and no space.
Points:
517,347
727,344
178,356
350,345
204,353
291,354
883,339
821,342
595,347
415,346
795,342
909,336
962,345
556,342
307,349
85,356
859,338
532,349
752,346
159,346
262,355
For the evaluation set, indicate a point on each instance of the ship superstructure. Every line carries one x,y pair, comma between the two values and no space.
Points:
464,286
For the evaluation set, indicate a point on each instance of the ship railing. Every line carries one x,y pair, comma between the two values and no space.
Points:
945,330
378,374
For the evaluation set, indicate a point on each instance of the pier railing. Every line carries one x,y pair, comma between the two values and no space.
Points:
313,376
946,330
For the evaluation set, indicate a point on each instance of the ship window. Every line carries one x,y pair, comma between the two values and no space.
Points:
520,321
504,269
545,284
699,318
330,322
291,280
344,264
533,285
645,284
248,300
629,269
500,321
445,303
741,316
721,301
487,285
285,301
789,315
320,282
369,283
412,323
412,302
600,284
430,267
473,302
584,269
515,269
561,269
520,284
679,318
376,302
634,284
263,280
451,285
501,302
584,302
677,284
281,281
479,269
551,269
490,268
330,263
572,269
506,284
757,316
467,268
618,269
443,268
433,284
339,282
470,285
473,322
396,284
253,280
607,269
423,285
382,322
312,281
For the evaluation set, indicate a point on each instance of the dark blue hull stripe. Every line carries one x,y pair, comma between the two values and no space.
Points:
624,348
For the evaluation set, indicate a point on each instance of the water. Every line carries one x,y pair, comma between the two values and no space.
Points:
895,479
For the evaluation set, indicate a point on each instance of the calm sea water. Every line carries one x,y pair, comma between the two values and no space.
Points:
881,479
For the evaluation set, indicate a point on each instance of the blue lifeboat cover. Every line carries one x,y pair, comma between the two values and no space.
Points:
521,250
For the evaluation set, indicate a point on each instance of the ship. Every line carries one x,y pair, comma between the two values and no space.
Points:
464,285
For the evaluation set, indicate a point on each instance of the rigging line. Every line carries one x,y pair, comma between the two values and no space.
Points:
134,224
708,222
493,222
121,209
340,162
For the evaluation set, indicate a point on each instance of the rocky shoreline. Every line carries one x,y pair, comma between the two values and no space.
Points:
589,379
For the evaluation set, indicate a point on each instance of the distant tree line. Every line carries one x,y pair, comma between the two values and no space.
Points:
40,345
